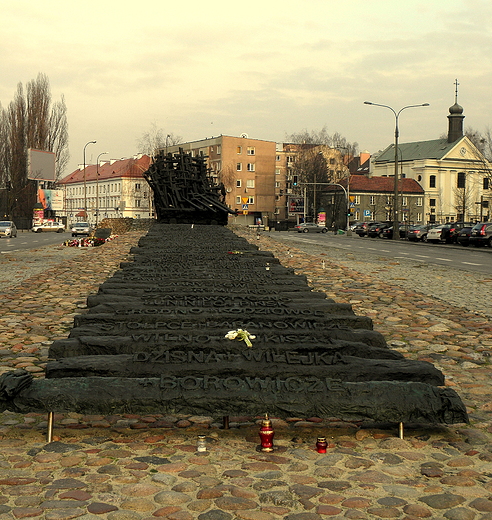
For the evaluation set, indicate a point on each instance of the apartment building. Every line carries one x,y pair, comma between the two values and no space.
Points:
246,167
109,189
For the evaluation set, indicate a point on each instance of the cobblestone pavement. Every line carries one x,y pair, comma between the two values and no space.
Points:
127,467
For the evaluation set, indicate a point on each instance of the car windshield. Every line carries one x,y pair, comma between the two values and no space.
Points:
81,224
4,224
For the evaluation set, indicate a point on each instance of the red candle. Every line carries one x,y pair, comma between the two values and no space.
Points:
321,445
266,434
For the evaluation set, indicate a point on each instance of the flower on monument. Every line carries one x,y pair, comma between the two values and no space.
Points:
241,335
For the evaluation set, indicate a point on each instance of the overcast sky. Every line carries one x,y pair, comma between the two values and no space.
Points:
268,68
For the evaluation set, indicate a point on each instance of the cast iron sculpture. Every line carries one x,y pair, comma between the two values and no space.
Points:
184,192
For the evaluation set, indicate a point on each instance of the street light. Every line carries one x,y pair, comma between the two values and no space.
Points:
97,185
396,222
85,184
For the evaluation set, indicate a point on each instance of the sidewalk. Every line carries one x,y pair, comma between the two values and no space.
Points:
127,467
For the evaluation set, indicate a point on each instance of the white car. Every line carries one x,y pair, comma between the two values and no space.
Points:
57,227
438,234
8,229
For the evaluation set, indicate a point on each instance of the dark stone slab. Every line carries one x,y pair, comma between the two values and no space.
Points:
235,395
116,345
102,233
249,362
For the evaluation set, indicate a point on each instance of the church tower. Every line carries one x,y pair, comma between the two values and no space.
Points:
455,128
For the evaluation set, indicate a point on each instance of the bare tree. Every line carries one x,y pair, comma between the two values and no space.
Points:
155,139
30,121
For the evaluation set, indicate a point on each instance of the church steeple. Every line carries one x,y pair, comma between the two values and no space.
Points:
455,127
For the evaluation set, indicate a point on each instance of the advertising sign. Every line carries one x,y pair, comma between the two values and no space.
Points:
296,204
51,199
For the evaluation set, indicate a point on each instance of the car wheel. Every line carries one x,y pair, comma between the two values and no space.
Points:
490,242
305,230
39,230
324,231
381,235
59,230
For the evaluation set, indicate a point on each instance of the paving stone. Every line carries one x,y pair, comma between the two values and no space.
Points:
443,501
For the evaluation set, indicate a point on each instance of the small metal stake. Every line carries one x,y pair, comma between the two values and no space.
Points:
400,430
225,422
50,426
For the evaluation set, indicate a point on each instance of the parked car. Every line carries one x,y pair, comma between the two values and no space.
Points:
438,234
388,232
311,227
81,228
8,229
50,225
416,233
361,228
463,236
481,234
376,230
454,230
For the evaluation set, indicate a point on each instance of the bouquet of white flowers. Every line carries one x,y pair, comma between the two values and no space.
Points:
241,335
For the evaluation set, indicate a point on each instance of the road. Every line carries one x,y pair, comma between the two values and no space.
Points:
478,260
30,240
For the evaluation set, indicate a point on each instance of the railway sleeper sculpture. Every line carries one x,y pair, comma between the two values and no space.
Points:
153,341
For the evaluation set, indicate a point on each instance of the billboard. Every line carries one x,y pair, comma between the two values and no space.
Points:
40,165
295,205
51,199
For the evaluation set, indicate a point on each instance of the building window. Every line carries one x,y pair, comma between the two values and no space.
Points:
238,200
138,186
419,217
250,183
404,201
419,201
290,158
432,181
372,200
219,149
251,150
239,150
277,184
277,158
239,167
432,202
251,200
238,183
251,167
357,199
461,180
277,171
486,183
137,203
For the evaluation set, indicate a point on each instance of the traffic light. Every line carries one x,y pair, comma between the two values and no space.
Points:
294,180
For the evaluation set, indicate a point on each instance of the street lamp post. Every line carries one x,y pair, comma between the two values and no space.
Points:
97,185
396,221
85,183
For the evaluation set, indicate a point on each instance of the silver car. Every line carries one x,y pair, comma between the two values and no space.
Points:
81,228
311,227
8,229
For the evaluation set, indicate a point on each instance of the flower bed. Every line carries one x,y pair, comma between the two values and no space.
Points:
88,241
